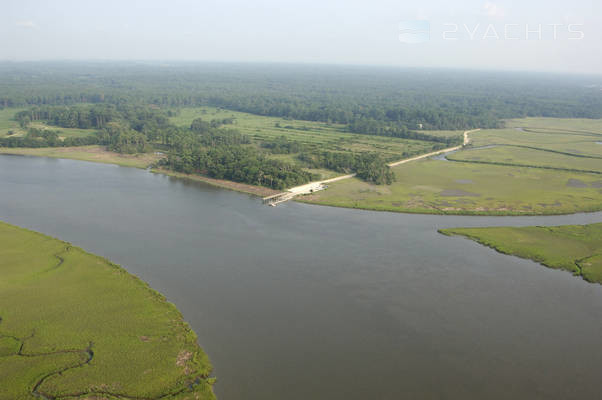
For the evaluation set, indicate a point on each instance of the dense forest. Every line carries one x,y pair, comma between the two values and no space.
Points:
368,99
128,106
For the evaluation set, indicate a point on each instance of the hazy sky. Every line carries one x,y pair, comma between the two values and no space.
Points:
468,33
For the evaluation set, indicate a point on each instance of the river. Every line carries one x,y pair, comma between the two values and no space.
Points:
309,302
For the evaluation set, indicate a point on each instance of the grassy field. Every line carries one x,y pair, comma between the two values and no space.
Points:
74,325
573,248
543,174
88,153
314,135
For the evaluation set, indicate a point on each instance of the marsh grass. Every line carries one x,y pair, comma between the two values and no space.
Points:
106,332
573,248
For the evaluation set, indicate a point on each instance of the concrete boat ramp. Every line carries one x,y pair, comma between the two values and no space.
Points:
308,188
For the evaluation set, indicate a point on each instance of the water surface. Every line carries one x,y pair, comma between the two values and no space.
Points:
309,302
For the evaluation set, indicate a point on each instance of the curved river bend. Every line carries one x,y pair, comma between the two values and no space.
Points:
308,302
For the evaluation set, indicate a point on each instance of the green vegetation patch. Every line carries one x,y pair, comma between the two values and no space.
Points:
75,325
573,248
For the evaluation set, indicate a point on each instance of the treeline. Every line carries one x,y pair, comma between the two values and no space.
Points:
82,117
229,159
369,166
142,118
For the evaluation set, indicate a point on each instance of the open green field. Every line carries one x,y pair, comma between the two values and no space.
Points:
573,248
74,325
517,173
314,135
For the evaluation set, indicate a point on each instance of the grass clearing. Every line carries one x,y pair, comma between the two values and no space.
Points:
85,327
573,248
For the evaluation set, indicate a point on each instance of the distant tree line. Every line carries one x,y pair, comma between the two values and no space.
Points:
435,99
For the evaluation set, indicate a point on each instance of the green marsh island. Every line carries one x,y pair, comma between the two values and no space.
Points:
573,248
75,326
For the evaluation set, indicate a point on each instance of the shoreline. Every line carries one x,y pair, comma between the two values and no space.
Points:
537,250
257,191
93,153
450,213
132,161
